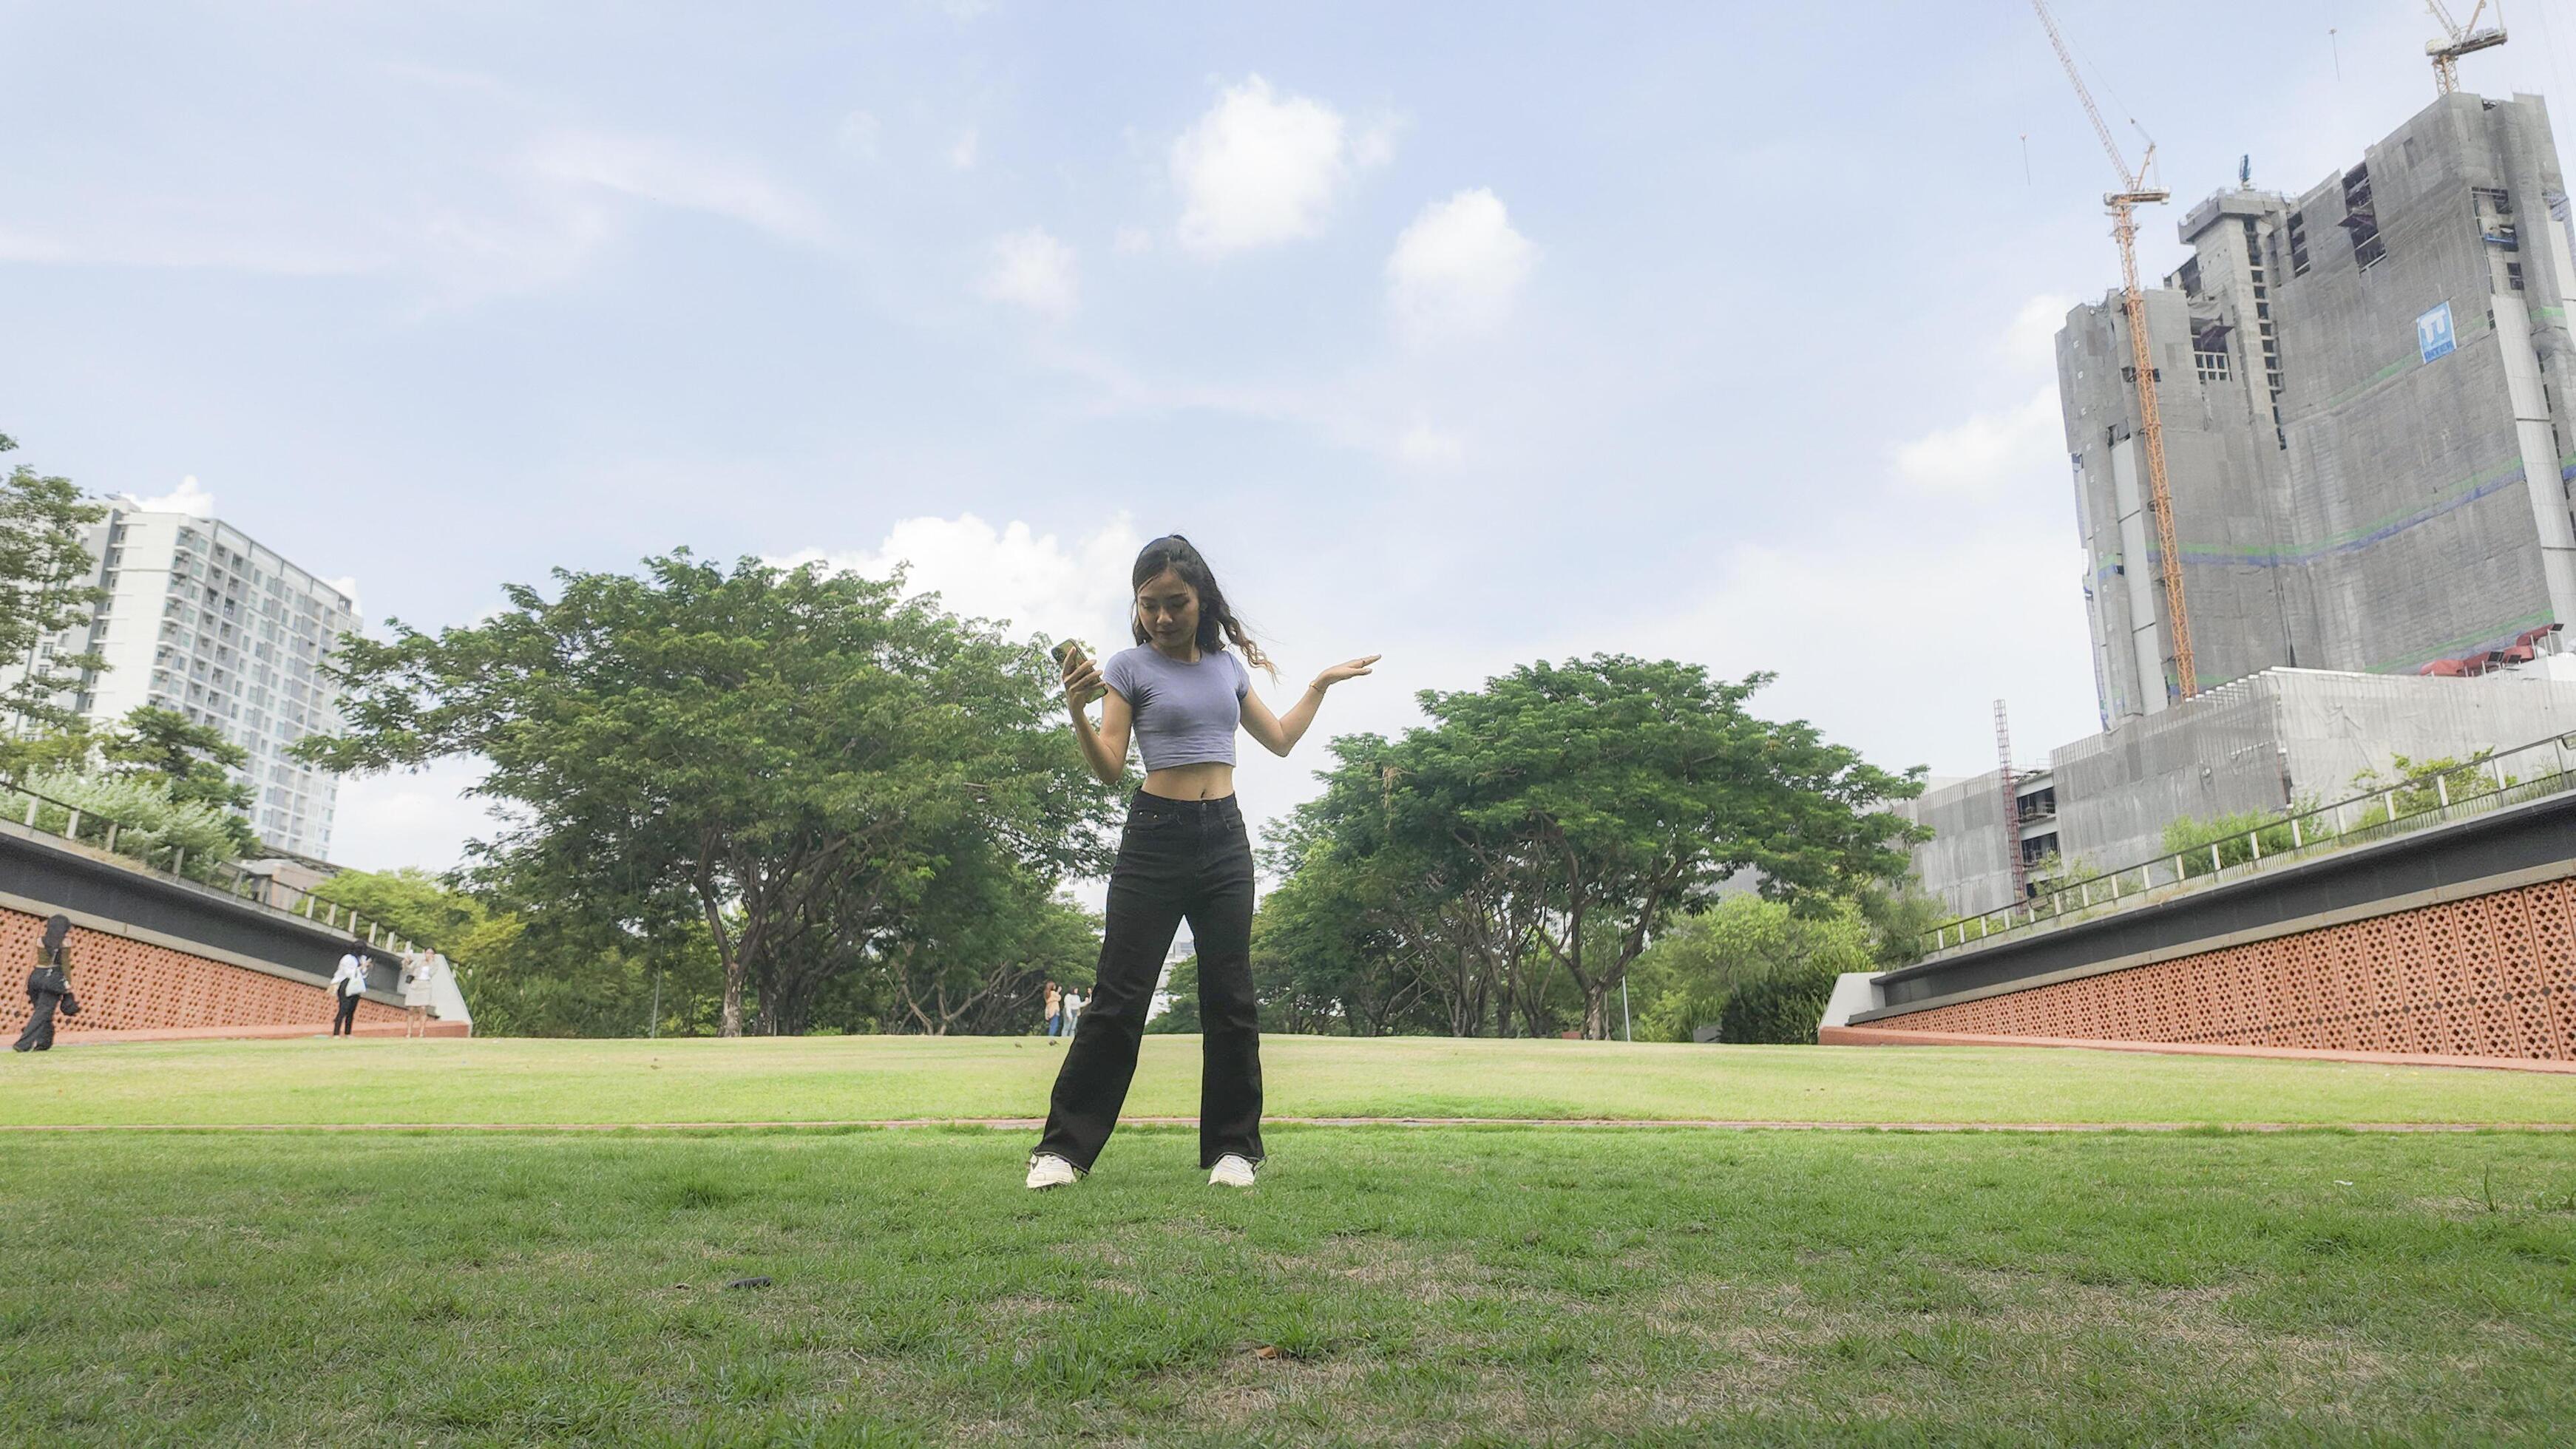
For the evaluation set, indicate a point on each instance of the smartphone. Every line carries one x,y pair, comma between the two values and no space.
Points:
1065,652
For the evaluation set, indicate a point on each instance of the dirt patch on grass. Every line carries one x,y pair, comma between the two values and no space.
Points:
1400,1267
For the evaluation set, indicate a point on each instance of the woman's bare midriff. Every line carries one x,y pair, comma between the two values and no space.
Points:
1191,782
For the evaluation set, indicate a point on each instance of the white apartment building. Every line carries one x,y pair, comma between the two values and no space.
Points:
201,619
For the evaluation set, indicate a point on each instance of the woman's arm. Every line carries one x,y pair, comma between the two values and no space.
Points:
1280,733
1104,747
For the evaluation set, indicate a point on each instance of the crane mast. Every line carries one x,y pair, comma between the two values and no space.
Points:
2123,204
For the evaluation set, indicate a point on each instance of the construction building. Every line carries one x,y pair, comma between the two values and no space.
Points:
2280,738
201,619
2365,395
2366,405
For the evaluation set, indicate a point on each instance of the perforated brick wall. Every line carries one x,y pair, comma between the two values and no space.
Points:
124,985
2490,976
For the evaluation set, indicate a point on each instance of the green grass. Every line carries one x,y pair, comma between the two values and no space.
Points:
1382,1285
1443,1285
320,1081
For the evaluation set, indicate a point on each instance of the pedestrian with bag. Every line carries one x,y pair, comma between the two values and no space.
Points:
346,985
49,987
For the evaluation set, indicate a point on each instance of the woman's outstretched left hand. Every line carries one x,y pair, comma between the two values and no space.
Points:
1347,669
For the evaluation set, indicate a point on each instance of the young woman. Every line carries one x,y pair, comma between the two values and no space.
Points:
1183,693
48,988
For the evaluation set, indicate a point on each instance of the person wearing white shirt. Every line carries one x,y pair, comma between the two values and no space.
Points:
346,983
415,992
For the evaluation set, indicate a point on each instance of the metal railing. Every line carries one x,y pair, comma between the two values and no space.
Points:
2484,783
46,815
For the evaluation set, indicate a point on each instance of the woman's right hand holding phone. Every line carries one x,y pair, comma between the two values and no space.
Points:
1082,682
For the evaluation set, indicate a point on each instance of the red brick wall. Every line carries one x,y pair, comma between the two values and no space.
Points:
127,985
2490,976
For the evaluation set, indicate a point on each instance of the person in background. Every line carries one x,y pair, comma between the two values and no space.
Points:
346,983
48,987
1054,1010
1073,1005
415,992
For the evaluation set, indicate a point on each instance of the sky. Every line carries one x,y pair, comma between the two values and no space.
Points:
1462,333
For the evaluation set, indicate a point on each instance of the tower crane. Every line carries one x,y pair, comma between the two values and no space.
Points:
2123,205
2464,39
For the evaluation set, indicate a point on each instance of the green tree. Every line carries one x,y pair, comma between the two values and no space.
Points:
972,953
1693,976
1616,794
552,976
192,761
44,564
787,755
150,826
1180,1013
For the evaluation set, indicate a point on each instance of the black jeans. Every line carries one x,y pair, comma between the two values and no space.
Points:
40,1028
345,1023
1177,859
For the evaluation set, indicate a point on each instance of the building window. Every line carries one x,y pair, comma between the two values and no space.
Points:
2361,218
2298,244
2513,275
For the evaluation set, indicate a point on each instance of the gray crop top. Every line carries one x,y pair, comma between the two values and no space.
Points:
1186,714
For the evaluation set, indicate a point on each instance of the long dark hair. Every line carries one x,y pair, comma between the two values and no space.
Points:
57,929
1217,623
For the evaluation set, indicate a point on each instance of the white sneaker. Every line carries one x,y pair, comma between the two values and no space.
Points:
1048,1170
1231,1171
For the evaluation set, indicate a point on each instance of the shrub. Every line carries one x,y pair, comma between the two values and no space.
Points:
149,824
1781,1009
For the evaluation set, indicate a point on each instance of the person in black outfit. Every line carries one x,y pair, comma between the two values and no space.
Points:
48,988
1183,856
346,985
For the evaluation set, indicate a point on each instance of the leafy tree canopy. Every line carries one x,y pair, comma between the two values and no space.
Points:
1551,823
792,757
44,567
191,761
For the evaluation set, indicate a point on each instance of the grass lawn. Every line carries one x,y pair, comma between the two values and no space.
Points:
851,1078
1500,1285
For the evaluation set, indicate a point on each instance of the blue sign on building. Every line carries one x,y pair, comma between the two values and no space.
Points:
2433,333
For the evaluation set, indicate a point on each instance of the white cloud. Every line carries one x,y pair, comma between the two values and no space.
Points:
1259,168
189,497
1425,444
962,153
1458,269
1983,456
195,246
2030,342
1893,640
1042,586
383,822
1131,240
857,135
1033,270
1375,145
676,174
1998,452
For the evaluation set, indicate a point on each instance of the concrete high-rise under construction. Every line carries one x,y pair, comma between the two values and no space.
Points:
2368,394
